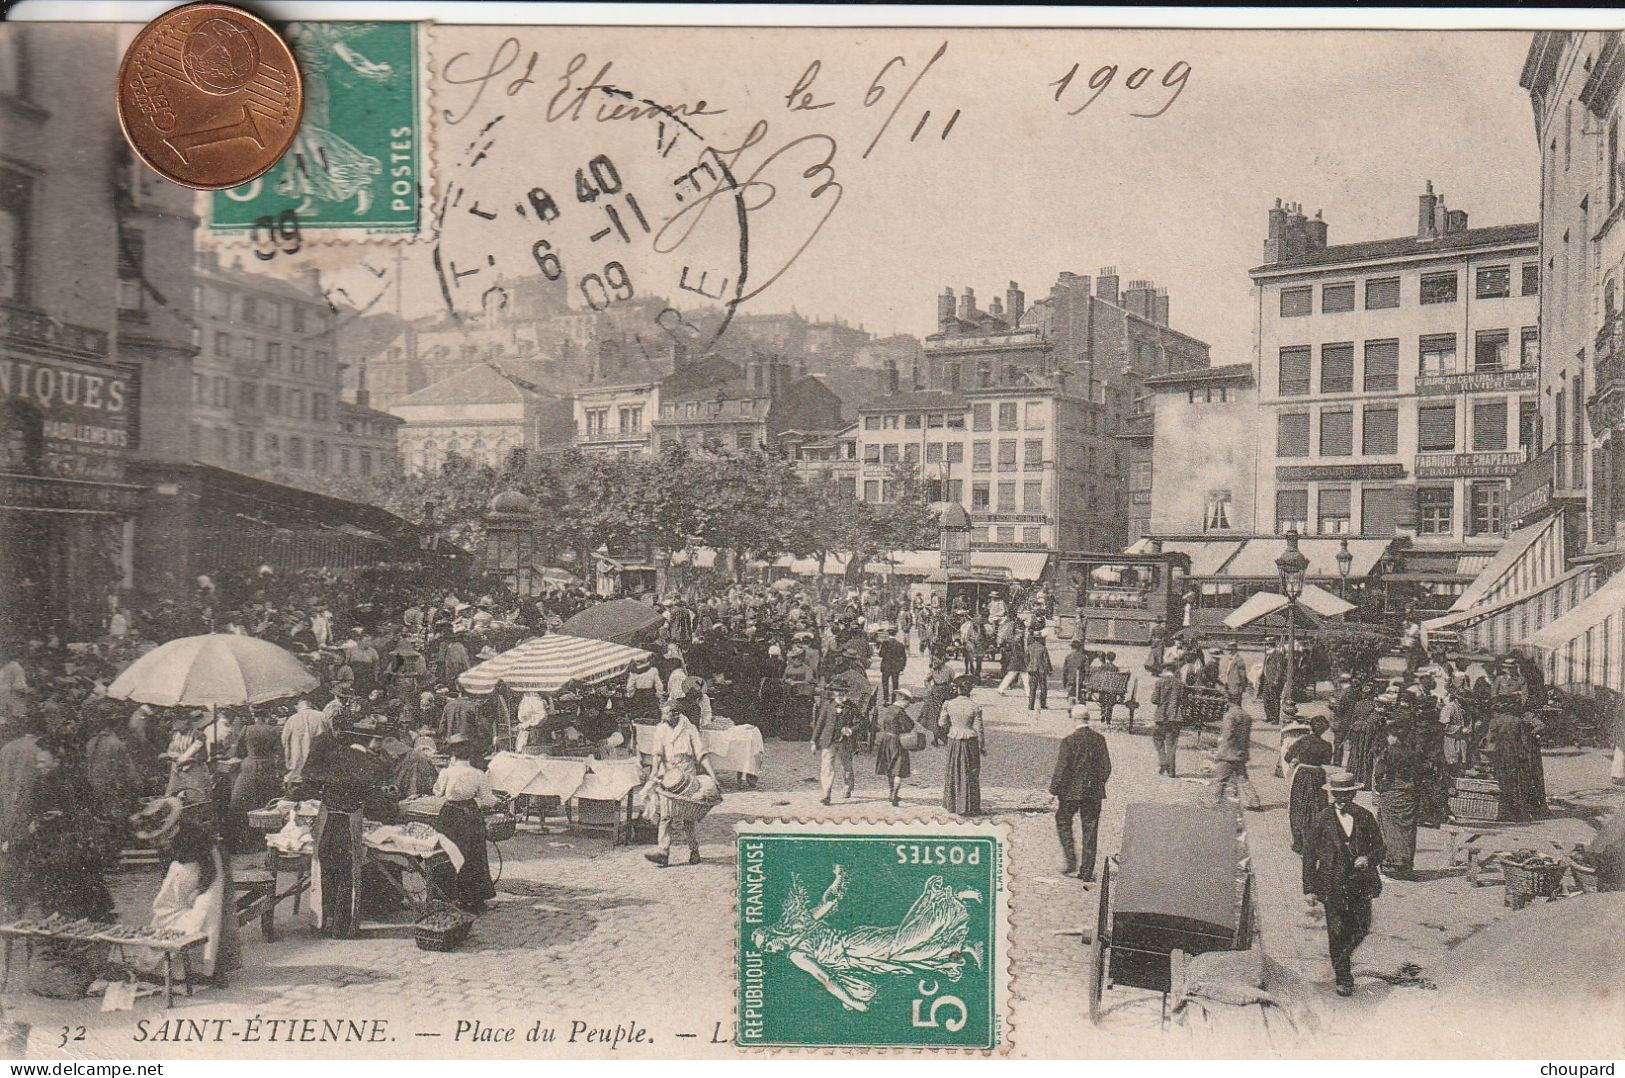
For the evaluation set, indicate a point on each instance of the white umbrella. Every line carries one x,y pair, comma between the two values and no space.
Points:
217,670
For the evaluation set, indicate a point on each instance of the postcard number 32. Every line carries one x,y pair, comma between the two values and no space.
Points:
953,1023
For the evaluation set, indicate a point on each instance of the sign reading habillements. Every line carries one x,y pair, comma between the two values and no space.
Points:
64,418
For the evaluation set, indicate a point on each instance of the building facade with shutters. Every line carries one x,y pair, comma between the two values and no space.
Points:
1397,383
1574,80
1033,465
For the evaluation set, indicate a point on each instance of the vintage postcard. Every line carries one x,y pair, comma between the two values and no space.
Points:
756,542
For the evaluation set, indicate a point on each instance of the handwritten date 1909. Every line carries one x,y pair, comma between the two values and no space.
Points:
1178,73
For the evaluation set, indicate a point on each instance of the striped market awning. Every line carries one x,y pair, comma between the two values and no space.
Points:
545,664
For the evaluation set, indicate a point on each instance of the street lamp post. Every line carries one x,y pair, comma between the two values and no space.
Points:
1345,562
1292,565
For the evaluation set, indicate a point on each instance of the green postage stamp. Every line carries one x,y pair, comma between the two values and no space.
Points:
885,934
357,164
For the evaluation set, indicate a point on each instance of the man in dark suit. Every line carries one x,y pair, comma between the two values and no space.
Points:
1168,703
1082,766
1340,859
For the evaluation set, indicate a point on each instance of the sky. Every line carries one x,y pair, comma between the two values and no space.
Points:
1351,124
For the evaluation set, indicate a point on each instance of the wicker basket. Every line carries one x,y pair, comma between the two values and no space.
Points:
269,820
500,828
1473,806
684,809
441,939
1527,880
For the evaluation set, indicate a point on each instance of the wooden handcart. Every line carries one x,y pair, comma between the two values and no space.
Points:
1181,888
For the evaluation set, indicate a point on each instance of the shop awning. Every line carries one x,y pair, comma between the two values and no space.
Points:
1531,557
1208,557
908,563
1022,565
1262,604
545,664
1587,645
1256,559
700,557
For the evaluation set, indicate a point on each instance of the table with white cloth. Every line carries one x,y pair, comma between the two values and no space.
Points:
737,748
592,793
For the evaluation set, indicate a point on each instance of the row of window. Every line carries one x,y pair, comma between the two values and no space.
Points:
1382,508
698,409
248,448
246,352
1012,415
255,310
1383,293
1032,453
1435,355
278,400
1379,429
595,421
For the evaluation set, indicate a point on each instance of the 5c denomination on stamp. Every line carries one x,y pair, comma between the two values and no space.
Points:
872,934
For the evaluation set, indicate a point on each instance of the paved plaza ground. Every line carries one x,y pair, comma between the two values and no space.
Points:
590,933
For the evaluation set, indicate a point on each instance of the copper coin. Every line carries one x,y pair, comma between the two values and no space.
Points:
209,96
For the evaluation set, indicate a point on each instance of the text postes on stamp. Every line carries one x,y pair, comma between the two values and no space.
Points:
871,935
357,162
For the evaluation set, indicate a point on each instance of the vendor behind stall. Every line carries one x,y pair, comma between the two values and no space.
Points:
467,793
195,894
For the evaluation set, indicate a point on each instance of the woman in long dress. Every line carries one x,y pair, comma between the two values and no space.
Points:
1306,763
258,781
192,898
1394,776
962,779
891,756
932,939
467,793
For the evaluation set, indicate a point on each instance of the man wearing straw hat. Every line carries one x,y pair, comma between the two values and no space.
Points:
1340,859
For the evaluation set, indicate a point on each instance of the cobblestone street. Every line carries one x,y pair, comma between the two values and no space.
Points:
583,932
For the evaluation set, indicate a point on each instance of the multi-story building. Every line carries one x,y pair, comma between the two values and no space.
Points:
824,456
367,442
267,384
1193,455
94,329
616,420
1094,332
1032,463
482,414
1397,384
716,404
1573,80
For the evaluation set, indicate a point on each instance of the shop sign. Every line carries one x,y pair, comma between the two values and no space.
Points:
65,418
1529,504
1298,473
1467,465
35,492
1443,385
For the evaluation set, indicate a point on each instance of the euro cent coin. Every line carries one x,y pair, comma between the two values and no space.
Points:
209,96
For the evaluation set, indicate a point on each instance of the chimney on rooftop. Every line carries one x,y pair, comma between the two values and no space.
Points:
1138,298
1314,232
1159,307
1427,206
1106,284
996,308
945,309
967,305
891,375
1015,303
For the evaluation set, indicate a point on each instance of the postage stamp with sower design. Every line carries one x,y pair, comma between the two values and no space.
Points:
882,935
357,163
